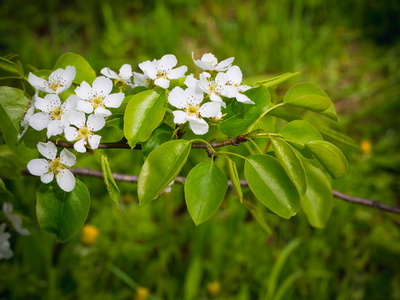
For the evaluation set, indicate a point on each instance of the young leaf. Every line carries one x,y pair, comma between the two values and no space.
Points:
272,82
84,72
239,116
318,201
109,181
13,105
233,174
161,166
308,96
271,185
10,67
255,212
205,188
144,112
62,213
285,112
330,157
292,164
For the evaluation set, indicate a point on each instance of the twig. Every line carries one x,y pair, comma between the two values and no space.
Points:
348,198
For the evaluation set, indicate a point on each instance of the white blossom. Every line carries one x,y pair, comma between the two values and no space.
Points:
55,115
5,250
161,71
235,79
54,166
209,62
125,73
97,97
59,81
15,220
189,101
28,115
83,134
141,80
217,87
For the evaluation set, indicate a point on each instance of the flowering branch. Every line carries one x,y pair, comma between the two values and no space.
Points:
134,179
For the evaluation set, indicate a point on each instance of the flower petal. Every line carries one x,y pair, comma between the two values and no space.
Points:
177,97
84,91
167,62
67,158
48,150
114,100
95,122
198,126
69,74
78,119
244,99
102,112
70,104
54,128
229,91
47,177
38,166
80,146
84,106
162,82
125,72
66,180
39,121
149,69
109,73
180,117
37,82
71,133
177,73
42,104
210,109
139,79
94,141
235,75
102,86
223,65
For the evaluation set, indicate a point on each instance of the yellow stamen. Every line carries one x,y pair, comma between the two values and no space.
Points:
97,101
56,166
56,114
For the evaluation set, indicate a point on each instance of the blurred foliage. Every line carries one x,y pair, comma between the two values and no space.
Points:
350,48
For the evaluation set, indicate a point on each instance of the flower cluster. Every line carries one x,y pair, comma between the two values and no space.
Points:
76,113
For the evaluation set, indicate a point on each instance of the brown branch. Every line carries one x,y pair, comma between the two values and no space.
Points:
348,198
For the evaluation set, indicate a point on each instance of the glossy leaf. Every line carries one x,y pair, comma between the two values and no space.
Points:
271,185
308,96
109,181
285,112
144,112
233,174
161,166
256,213
205,188
330,157
84,72
318,201
330,112
272,82
300,132
62,213
13,105
292,164
161,135
239,116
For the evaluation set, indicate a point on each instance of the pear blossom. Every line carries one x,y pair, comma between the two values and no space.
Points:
189,101
217,87
125,73
235,79
15,220
55,115
141,79
83,134
209,62
28,115
54,166
59,81
161,70
97,97
5,250
167,189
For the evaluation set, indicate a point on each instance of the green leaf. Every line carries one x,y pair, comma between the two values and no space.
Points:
144,112
10,166
161,167
286,112
62,213
330,112
308,96
292,164
233,174
318,201
3,189
256,213
13,105
330,157
84,72
239,116
272,82
109,181
336,137
11,67
116,121
205,188
271,185
161,135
